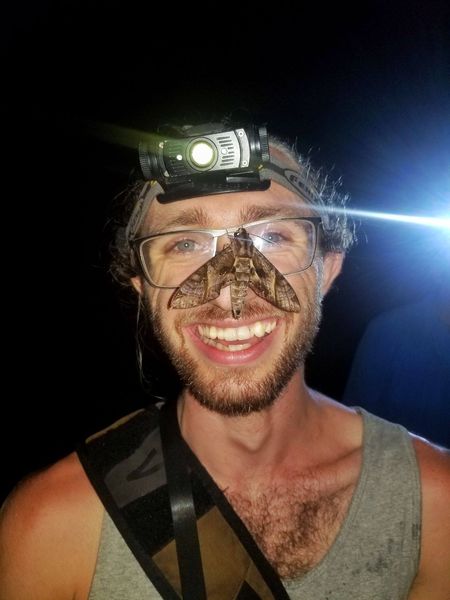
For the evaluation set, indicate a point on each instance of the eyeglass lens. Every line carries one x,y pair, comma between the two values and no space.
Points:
169,258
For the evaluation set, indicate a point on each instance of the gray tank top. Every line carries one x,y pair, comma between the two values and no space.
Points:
375,555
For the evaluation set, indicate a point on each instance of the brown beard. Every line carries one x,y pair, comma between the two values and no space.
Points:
236,391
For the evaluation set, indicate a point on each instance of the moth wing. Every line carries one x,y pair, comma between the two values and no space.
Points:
205,283
268,283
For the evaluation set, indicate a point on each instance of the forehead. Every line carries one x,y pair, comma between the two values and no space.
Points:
226,210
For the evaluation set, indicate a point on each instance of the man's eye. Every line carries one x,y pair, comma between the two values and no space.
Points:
185,246
273,237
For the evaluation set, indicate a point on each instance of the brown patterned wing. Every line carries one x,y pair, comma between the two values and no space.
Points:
206,282
268,283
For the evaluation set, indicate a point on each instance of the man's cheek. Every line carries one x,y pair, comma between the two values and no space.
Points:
154,300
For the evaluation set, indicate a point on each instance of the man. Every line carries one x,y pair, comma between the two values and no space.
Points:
251,485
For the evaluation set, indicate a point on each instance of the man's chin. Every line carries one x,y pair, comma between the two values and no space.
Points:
230,401
236,391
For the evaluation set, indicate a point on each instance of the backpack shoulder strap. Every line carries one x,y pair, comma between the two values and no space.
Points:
126,465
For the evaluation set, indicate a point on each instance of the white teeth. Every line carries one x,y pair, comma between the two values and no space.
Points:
271,326
243,333
231,334
233,348
258,329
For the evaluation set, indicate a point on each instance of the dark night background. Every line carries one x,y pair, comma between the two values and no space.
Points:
364,90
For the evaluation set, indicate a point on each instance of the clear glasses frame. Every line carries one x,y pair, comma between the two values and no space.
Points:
137,243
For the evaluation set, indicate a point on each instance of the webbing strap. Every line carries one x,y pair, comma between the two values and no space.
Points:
182,507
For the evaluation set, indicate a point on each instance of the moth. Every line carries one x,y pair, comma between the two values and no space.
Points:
241,266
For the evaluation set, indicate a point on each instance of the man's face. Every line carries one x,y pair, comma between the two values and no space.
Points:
237,367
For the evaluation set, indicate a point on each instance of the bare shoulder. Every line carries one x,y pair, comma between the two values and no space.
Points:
434,465
434,461
49,531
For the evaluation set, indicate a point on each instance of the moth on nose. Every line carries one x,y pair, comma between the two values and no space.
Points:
241,266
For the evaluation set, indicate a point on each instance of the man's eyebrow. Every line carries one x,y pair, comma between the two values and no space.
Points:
198,217
195,217
257,213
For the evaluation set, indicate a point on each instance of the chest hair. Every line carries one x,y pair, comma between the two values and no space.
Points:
294,525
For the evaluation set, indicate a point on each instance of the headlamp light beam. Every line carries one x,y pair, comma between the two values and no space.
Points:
440,222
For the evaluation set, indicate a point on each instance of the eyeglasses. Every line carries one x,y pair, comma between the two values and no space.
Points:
166,259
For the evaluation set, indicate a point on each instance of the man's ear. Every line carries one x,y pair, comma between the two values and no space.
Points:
332,266
136,282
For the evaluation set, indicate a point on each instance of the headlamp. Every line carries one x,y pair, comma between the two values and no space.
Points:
206,160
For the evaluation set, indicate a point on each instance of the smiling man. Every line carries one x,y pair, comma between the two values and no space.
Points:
249,361
251,484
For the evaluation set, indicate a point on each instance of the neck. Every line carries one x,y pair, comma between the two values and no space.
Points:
232,448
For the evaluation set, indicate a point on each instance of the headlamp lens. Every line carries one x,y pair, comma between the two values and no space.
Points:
202,154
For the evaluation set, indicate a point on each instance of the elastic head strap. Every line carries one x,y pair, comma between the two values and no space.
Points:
275,170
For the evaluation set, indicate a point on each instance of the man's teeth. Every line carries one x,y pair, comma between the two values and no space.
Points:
231,334
230,348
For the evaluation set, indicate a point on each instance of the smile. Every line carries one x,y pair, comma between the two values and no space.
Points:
209,334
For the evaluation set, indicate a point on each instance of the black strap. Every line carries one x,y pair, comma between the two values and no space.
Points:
182,506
